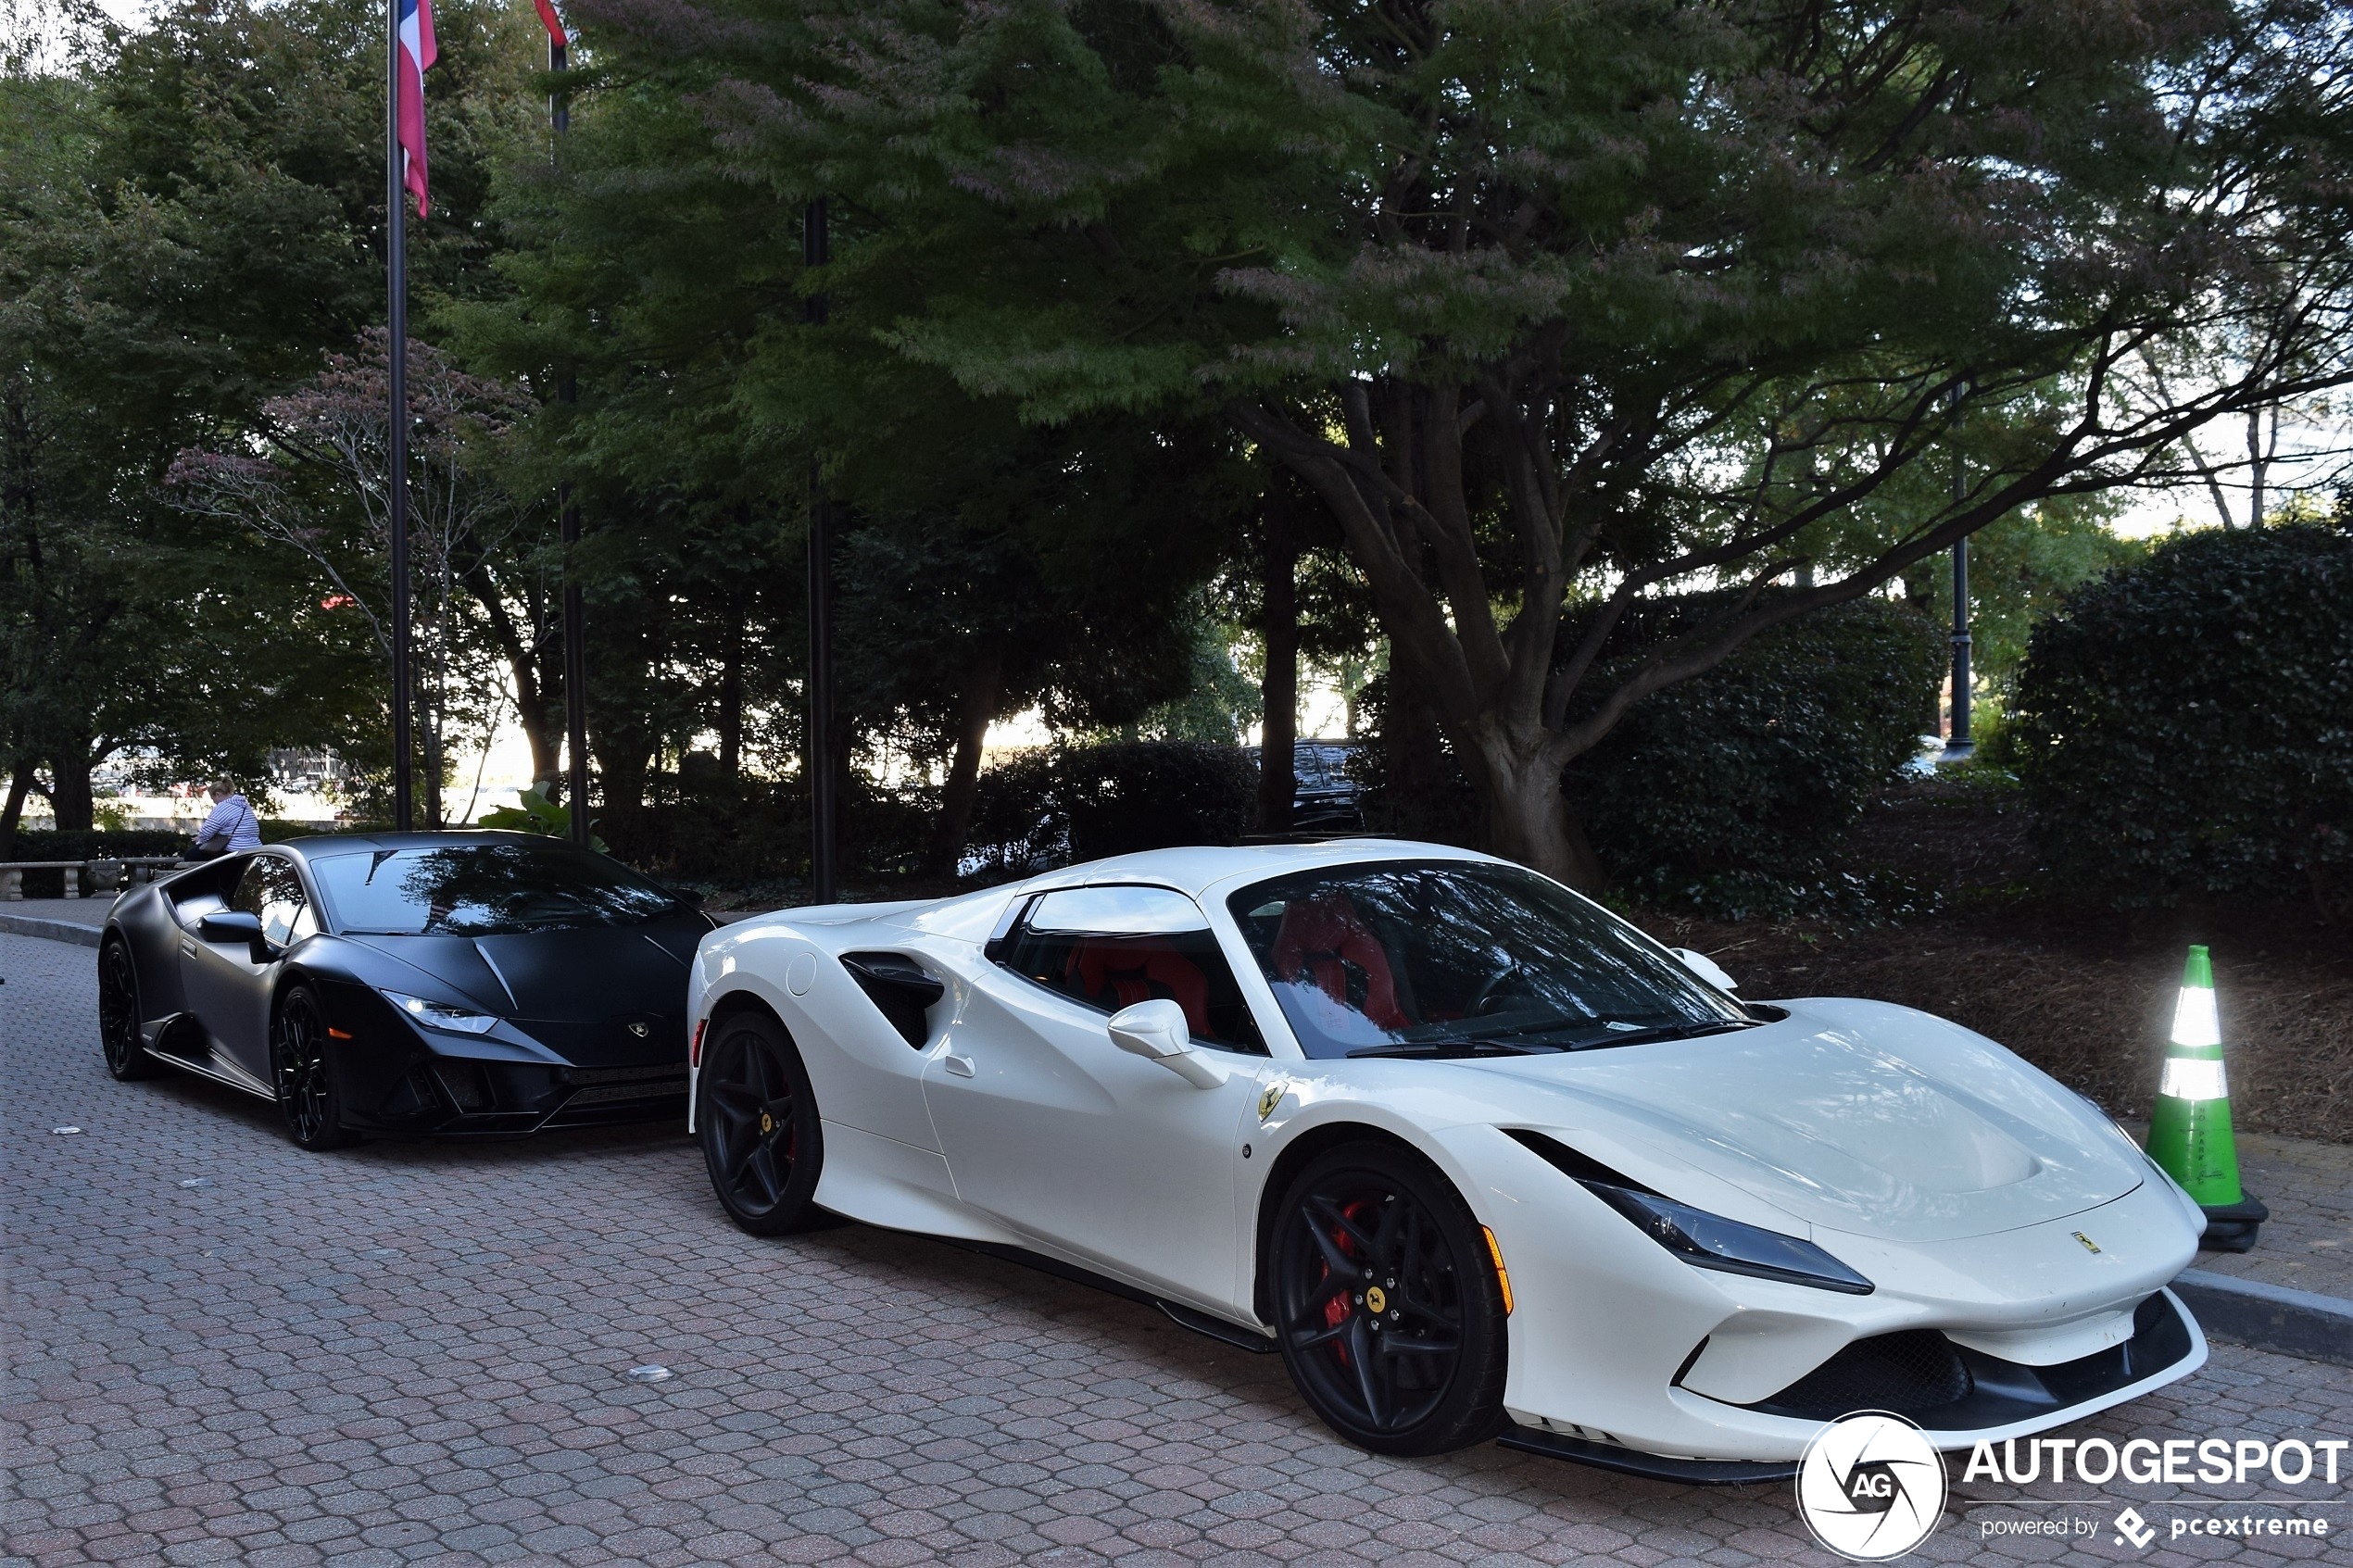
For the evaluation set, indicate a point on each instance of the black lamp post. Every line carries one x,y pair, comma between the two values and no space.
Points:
816,250
1958,748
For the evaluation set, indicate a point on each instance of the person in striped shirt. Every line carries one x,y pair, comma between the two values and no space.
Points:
231,828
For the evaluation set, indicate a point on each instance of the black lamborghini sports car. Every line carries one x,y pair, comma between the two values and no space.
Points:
410,983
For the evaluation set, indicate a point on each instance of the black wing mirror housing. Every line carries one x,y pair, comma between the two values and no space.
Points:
237,926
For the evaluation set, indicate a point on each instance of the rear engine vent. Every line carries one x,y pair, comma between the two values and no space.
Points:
1909,1372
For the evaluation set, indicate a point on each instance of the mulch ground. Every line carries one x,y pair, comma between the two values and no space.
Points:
2081,991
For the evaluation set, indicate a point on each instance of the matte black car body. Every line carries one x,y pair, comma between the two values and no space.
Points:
590,1025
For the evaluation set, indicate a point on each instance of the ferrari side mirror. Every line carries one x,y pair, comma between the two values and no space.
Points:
1157,1032
1707,969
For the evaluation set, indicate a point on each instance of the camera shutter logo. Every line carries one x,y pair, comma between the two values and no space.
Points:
1870,1487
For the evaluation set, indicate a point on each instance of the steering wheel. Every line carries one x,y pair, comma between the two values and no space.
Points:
1486,996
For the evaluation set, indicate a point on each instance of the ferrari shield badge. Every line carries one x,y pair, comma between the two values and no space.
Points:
1269,1098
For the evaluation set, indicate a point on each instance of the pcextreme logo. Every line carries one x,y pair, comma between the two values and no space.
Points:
1870,1487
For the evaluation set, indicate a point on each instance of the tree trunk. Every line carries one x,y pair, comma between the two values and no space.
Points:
20,783
536,704
975,707
1278,687
731,695
69,788
1528,819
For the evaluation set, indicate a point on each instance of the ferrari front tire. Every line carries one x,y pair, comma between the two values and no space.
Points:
1387,1310
309,1098
127,1056
757,1118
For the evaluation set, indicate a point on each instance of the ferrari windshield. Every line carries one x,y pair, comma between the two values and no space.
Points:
490,888
1452,958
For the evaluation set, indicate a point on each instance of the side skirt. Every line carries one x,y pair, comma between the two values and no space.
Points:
204,1061
1182,1316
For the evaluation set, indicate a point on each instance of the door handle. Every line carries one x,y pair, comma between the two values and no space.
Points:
961,1066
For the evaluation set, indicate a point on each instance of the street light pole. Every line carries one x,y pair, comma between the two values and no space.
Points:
816,250
568,515
1958,746
396,440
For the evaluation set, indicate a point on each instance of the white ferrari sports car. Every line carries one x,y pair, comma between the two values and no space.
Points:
1476,1158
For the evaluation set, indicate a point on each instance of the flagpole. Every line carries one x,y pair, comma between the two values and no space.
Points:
397,444
568,520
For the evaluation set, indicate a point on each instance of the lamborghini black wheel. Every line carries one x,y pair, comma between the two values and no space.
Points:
1388,1311
757,1120
118,1014
306,1094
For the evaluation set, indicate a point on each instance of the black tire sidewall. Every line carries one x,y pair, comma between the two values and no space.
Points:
1472,1409
334,1135
796,1209
139,1064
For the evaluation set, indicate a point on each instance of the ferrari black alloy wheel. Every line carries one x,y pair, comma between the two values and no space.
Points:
298,1061
758,1119
1388,1310
118,1014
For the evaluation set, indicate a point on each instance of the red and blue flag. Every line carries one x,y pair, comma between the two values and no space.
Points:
417,54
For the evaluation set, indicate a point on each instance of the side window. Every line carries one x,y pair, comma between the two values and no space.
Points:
272,890
1111,947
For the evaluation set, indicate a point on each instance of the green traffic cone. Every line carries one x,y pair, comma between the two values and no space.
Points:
2190,1125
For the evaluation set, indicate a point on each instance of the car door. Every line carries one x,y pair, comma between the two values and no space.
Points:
227,988
1108,1159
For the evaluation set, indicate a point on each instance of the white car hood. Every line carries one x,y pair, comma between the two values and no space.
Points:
1851,1116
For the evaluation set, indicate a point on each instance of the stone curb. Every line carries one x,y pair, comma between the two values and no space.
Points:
55,930
2269,1317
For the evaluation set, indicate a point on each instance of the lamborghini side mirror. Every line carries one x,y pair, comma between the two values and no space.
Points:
1707,969
236,925
1157,1032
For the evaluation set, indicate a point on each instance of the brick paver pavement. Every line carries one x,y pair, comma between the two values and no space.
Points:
415,1353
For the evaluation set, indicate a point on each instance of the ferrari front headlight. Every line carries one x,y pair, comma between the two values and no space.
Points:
439,1015
1711,1241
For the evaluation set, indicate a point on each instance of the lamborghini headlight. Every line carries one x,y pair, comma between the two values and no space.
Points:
1711,1241
439,1015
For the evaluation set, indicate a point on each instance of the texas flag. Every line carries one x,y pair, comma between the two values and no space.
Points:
417,53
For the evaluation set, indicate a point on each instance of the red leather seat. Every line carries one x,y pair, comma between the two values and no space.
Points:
1321,940
1138,969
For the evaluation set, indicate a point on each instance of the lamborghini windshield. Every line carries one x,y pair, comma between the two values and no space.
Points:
490,888
1451,958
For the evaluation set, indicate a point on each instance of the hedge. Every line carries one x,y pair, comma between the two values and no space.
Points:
1084,802
2183,727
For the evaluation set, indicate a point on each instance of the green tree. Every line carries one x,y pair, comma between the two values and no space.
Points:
1562,306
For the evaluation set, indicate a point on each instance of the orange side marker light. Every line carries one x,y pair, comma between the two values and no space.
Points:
335,1033
1503,1275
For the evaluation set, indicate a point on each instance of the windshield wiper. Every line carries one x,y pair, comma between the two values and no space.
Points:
1441,1048
1667,1031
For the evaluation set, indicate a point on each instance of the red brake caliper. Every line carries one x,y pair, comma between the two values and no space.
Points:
1336,1308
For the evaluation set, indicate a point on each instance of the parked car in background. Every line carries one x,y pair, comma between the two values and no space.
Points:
1326,796
442,984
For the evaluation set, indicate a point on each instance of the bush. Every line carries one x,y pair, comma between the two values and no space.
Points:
2184,726
1730,791
1083,803
755,831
